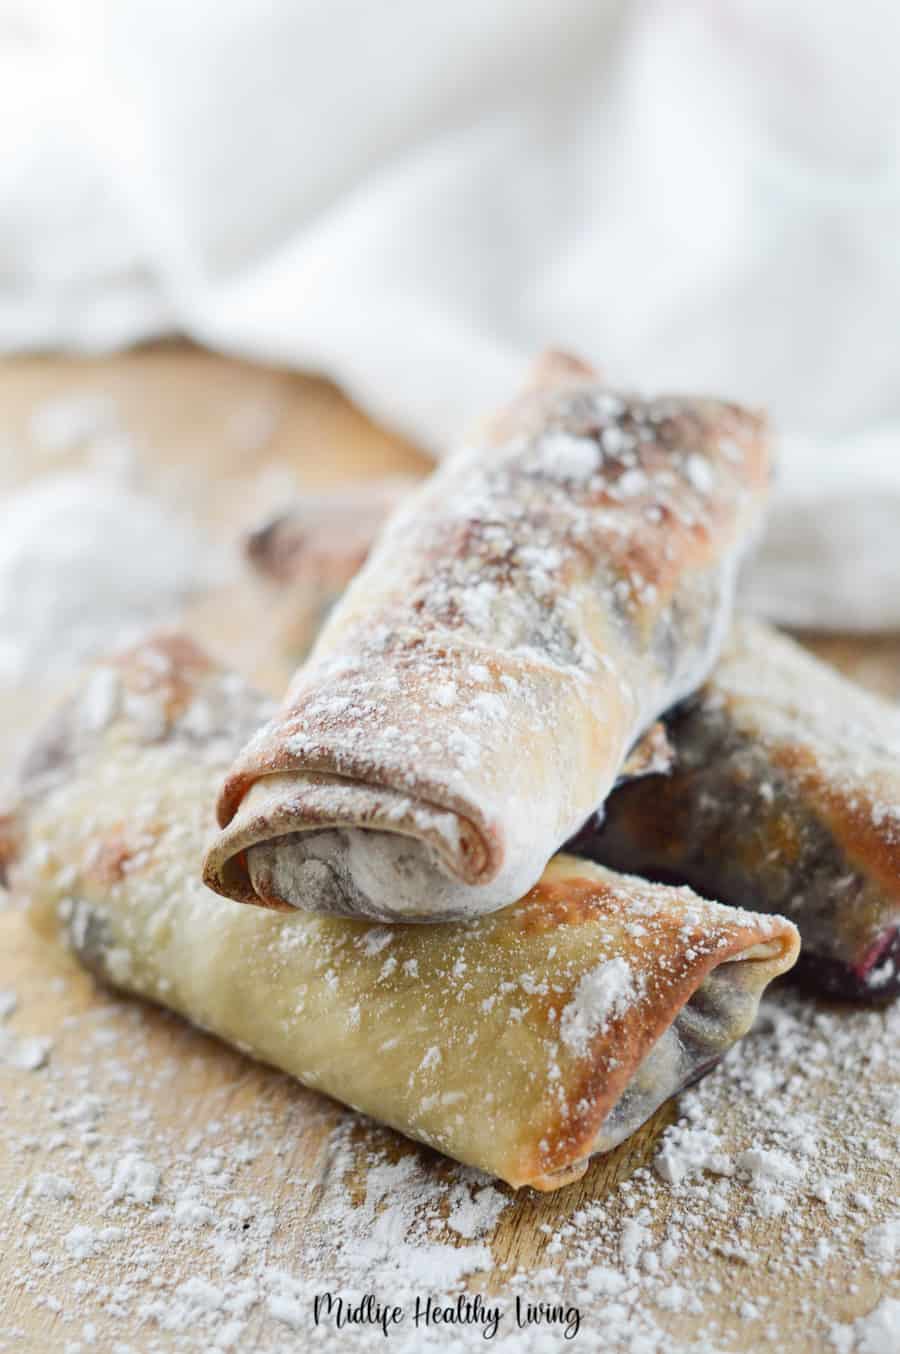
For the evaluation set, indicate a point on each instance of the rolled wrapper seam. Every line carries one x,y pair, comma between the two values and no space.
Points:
524,619
519,1042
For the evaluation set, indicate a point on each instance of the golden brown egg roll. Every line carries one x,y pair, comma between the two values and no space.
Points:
520,1042
784,791
523,619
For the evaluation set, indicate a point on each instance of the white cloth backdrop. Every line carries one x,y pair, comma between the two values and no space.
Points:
412,198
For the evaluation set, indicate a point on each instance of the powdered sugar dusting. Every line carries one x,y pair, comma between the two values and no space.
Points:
604,993
876,1333
244,1227
27,1054
688,1152
86,559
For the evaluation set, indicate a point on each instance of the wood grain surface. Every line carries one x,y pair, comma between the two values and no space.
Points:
186,413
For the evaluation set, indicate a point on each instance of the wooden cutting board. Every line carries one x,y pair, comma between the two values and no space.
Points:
118,1072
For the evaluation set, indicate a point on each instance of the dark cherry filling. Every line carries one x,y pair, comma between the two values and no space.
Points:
585,837
875,978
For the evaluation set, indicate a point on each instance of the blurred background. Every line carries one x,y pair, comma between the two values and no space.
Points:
409,201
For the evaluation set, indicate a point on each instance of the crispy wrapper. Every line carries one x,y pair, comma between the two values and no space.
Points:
785,791
519,1042
524,618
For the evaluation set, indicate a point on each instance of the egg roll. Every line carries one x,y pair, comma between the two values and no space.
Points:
523,619
520,1042
784,792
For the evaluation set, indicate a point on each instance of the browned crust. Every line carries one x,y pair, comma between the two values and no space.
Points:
682,423
620,1048
847,814
690,545
110,858
168,665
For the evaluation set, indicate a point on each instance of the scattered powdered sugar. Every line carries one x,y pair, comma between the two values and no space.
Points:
85,560
83,1242
632,482
603,993
571,458
769,1171
882,1245
375,939
134,1178
29,1053
167,1225
48,1186
100,700
700,473
877,1333
765,1165
688,1152
140,1217
473,1213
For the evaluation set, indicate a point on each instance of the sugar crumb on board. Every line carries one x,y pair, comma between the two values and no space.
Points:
197,1232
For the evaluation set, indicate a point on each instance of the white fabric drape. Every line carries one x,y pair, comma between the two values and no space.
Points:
413,198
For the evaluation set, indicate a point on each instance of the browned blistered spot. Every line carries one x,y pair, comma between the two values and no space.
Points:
105,863
455,544
638,556
173,679
576,901
108,859
177,648
571,902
